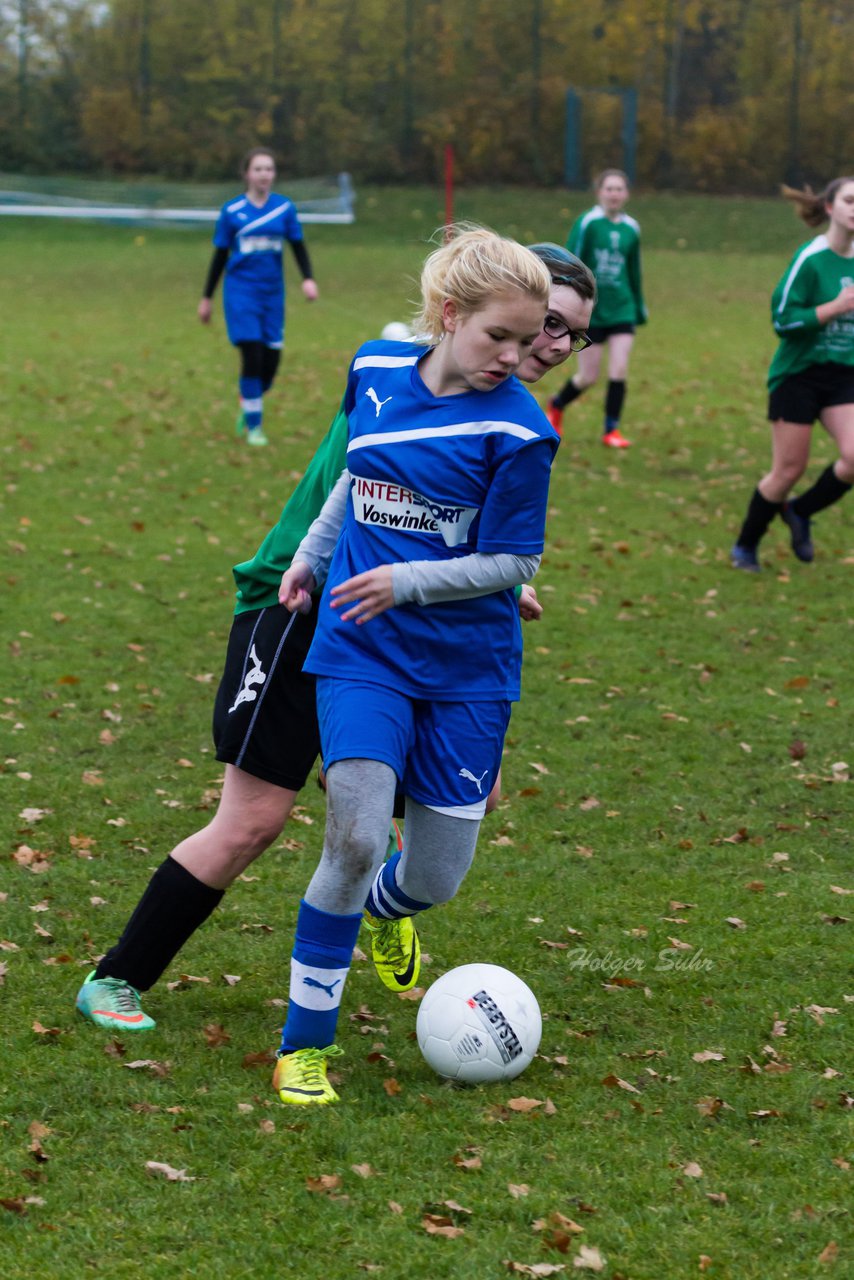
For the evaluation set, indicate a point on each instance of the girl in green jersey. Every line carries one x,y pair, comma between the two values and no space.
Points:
811,375
608,240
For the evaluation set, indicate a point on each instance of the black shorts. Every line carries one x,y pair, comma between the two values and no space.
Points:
598,333
802,396
265,721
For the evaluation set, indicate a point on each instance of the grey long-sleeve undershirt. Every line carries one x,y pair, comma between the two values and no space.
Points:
415,581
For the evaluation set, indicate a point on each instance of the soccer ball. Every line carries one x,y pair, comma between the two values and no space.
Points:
397,331
479,1023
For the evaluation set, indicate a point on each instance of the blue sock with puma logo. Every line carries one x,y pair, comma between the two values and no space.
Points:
323,949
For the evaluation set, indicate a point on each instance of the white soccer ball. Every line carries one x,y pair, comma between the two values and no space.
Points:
397,331
479,1023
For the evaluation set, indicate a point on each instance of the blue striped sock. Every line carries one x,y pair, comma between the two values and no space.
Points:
386,900
251,402
323,949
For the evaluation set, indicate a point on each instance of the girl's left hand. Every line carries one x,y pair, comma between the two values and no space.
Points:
370,594
310,291
530,609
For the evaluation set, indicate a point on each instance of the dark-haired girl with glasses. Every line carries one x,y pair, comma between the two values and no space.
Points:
571,300
608,240
811,375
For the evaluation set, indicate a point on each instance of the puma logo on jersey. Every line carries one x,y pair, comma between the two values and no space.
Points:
322,986
372,395
466,773
253,676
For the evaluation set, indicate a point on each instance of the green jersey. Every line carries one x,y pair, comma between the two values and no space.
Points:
258,579
815,275
611,248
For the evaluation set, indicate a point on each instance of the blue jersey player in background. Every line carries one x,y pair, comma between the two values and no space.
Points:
249,238
417,653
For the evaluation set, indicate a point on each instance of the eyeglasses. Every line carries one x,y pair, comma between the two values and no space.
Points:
556,328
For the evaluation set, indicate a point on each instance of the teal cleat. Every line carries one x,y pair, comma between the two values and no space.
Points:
113,1004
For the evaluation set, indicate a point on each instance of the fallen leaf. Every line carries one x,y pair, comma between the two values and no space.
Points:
524,1105
735,922
15,1204
829,1253
535,1269
708,1055
518,1190
589,802
468,1162
323,1183
709,1106
392,1087
160,1069
231,979
46,1031
717,1197
215,1035
589,1259
678,945
614,1082
692,1169
158,1170
363,1170
436,1224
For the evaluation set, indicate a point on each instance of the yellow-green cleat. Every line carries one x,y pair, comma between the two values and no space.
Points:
300,1077
396,952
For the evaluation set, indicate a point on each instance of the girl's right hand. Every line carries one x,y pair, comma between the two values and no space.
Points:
296,588
203,311
845,300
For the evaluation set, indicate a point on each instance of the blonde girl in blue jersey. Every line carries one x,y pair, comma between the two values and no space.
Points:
248,243
268,744
811,375
417,653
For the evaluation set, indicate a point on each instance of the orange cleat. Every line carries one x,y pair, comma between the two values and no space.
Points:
613,440
554,413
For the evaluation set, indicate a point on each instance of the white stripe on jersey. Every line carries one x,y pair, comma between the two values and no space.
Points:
384,362
474,811
238,204
437,433
815,246
259,222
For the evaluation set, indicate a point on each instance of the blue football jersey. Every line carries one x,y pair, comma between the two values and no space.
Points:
432,478
256,236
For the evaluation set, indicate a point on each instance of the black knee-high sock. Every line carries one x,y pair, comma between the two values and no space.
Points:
760,513
269,366
827,489
614,400
170,910
568,392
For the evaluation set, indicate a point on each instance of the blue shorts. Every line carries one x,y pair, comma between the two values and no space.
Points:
446,754
254,315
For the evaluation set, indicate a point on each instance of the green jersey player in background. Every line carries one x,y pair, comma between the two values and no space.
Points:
608,240
811,375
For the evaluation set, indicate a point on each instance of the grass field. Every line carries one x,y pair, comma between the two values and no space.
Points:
669,870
